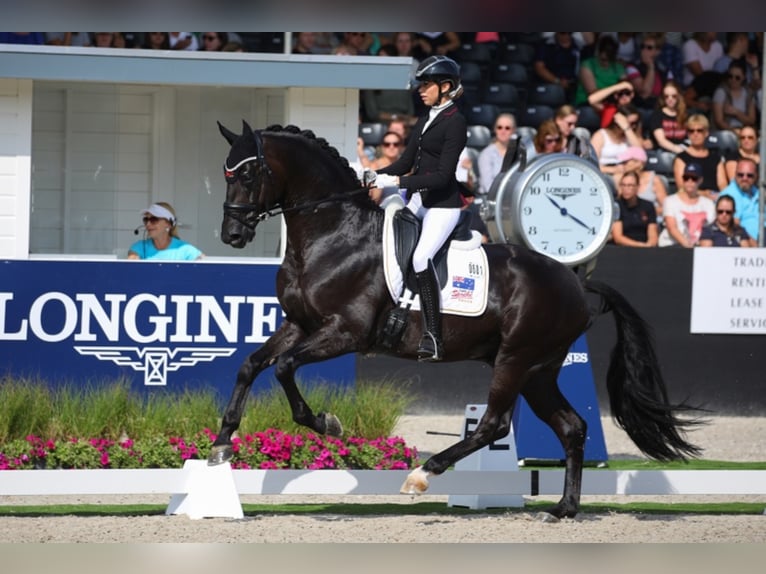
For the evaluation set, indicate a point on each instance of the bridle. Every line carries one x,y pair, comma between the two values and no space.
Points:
240,212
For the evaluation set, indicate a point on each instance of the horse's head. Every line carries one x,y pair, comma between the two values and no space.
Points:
246,173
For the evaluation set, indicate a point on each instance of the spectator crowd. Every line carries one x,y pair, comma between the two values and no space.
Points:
672,117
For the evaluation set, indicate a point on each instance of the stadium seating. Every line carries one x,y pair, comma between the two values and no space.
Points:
510,73
471,52
482,114
588,118
520,53
505,96
372,133
533,116
479,136
552,95
724,140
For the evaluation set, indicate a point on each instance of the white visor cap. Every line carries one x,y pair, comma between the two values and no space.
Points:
159,211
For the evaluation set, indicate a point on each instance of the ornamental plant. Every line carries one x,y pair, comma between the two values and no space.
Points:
88,427
270,449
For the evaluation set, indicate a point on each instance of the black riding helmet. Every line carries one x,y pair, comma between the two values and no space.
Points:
439,69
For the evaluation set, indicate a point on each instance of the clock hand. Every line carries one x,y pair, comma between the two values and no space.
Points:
553,201
586,226
565,212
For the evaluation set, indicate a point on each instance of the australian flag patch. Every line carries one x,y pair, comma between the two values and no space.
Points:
463,287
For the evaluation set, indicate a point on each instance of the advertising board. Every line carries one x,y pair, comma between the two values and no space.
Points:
164,325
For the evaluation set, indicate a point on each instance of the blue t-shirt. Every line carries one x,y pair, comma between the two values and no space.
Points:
747,207
178,250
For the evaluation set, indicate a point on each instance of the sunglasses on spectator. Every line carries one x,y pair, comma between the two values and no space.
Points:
390,144
746,137
648,47
696,130
725,211
503,127
551,139
622,93
151,219
735,77
745,174
690,178
670,96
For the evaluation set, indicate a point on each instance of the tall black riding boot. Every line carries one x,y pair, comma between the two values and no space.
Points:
430,348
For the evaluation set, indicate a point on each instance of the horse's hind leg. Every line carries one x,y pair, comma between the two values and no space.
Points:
546,401
494,425
283,339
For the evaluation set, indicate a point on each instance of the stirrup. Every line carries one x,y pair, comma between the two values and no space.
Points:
430,348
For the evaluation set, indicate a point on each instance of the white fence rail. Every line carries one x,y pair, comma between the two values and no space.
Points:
199,491
376,482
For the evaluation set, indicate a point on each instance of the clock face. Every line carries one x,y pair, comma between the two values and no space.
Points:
563,208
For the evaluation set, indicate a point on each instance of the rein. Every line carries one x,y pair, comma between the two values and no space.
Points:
279,210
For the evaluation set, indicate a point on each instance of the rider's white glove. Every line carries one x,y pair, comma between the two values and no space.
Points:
368,177
385,180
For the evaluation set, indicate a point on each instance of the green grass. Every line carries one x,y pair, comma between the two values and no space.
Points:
110,410
694,464
370,410
646,464
391,509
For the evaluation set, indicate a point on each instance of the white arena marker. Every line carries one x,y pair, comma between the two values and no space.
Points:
208,492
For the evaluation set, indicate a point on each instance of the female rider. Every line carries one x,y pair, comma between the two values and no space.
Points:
430,160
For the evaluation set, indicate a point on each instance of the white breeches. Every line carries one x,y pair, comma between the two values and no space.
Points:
438,223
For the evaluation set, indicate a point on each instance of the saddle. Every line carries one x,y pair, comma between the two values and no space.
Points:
407,229
461,269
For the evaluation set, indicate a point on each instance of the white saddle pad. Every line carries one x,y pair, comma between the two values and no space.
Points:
465,292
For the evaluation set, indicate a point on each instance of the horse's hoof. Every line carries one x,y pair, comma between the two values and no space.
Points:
332,425
220,454
416,483
548,517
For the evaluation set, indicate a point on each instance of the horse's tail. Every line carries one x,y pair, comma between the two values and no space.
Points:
637,393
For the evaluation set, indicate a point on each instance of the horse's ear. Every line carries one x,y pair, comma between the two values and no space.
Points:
246,129
229,135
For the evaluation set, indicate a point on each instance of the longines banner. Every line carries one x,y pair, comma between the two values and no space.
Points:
729,291
163,325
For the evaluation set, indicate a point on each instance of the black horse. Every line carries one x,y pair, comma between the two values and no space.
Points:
332,290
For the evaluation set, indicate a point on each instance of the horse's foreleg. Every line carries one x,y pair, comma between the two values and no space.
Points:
547,402
261,359
329,342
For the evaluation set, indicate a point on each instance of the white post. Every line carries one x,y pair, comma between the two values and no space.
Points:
208,492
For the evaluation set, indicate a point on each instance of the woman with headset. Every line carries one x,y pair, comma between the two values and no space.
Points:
161,241
432,190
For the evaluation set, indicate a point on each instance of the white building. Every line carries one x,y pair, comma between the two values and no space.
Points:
89,137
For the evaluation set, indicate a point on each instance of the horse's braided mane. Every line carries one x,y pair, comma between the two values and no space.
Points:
321,142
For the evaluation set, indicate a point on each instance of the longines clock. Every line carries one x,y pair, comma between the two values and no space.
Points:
558,204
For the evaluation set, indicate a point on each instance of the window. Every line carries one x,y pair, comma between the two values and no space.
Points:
103,152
